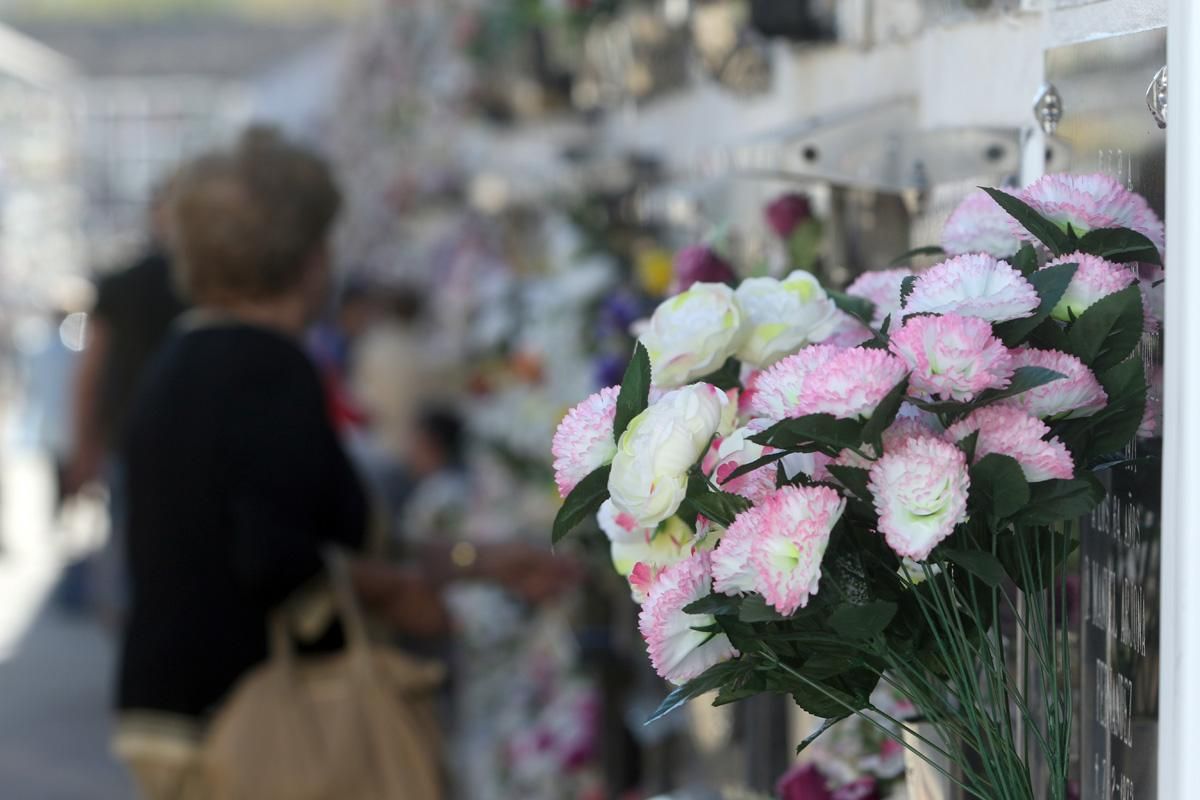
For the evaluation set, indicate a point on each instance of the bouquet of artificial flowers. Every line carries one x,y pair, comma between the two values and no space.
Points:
815,493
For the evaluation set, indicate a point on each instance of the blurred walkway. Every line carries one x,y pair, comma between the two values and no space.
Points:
55,670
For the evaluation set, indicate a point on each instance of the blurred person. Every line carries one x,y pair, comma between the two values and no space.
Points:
134,311
330,342
237,479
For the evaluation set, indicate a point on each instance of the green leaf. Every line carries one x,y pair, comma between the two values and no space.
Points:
1026,260
864,621
711,680
814,432
1057,500
715,605
1051,283
635,390
751,466
998,486
884,415
583,501
1047,232
984,566
858,307
856,479
816,734
822,700
720,507
729,376
1121,245
1023,379
916,252
906,288
1125,385
755,609
1109,330
968,444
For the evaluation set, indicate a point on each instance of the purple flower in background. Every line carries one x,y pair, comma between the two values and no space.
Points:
610,370
617,312
699,264
788,212
804,782
861,789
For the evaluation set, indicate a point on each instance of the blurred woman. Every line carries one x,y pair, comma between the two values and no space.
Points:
237,480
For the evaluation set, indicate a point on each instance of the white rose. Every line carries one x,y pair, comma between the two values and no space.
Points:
650,470
693,334
783,316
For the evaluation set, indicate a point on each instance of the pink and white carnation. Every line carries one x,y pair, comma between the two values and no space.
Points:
980,225
851,384
1094,280
735,451
1076,395
584,440
920,492
776,392
1087,202
776,548
631,544
780,317
974,285
650,469
1012,432
642,579
677,650
881,287
951,357
692,334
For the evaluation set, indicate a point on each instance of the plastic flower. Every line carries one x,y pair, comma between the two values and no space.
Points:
584,439
851,384
650,469
700,264
775,548
787,212
980,225
1094,279
920,491
1086,202
882,288
736,450
1012,432
973,285
952,357
780,317
677,650
804,782
641,580
692,334
776,392
1078,394
632,544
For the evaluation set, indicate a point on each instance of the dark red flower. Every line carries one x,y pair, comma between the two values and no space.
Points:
804,782
787,212
699,264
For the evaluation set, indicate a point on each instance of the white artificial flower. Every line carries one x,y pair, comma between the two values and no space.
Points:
781,317
650,470
692,334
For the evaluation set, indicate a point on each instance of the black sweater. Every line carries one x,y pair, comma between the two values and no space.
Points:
236,483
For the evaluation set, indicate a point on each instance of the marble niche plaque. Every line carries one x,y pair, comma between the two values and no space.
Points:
1107,127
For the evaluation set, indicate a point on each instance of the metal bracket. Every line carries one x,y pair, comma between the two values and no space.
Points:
880,148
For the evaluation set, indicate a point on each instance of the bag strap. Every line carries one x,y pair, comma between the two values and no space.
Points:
346,603
346,610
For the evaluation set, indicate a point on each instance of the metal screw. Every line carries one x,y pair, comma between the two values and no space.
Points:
1048,108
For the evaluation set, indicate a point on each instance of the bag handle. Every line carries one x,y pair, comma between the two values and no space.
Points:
347,611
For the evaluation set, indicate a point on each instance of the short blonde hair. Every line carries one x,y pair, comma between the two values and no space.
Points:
246,221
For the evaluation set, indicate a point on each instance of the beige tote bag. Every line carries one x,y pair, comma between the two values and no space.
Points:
355,725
